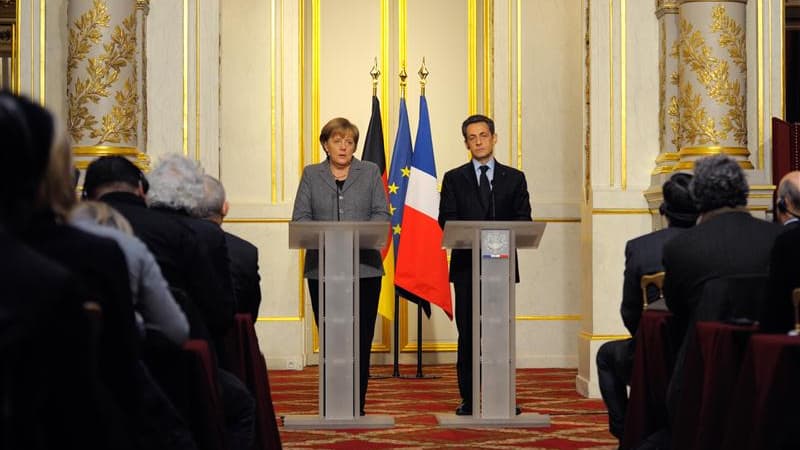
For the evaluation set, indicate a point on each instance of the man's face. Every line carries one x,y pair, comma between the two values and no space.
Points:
480,141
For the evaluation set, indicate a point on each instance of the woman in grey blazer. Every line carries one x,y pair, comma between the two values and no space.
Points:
342,188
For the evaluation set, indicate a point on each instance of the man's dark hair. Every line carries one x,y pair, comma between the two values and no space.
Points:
112,169
476,119
718,182
678,206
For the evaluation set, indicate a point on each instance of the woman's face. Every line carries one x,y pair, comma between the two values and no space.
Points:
340,148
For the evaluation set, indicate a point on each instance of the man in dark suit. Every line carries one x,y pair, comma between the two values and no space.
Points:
778,314
727,242
482,189
243,255
642,257
787,205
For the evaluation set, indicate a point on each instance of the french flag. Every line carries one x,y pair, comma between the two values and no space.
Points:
421,266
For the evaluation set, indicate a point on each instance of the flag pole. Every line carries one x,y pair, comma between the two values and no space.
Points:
375,73
396,363
423,75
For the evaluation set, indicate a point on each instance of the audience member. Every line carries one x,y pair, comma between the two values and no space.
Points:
183,260
787,205
243,255
728,241
153,301
642,257
97,262
778,314
42,325
176,188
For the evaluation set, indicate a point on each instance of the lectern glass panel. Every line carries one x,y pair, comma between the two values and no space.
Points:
338,325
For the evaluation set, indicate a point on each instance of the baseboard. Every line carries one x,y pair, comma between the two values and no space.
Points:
285,363
586,388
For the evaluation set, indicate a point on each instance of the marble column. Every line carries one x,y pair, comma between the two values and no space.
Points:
668,117
712,81
103,92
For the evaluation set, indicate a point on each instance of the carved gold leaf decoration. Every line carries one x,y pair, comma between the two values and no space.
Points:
84,33
697,127
102,73
714,74
674,121
731,36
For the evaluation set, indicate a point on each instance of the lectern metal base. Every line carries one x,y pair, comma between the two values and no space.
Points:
531,420
321,423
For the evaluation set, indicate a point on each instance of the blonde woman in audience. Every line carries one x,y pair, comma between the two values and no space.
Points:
156,309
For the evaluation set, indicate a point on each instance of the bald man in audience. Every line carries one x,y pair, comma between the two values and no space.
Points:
787,203
243,255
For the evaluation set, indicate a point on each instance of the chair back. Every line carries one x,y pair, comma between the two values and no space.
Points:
796,303
650,282
732,298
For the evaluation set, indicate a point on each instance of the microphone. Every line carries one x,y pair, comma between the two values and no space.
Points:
338,207
491,191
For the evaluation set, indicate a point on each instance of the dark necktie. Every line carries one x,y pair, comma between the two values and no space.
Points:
483,185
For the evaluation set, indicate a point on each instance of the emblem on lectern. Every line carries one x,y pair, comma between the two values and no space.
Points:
494,243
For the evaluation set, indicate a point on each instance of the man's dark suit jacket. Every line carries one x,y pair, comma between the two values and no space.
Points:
729,243
726,243
460,201
777,315
184,262
642,257
244,269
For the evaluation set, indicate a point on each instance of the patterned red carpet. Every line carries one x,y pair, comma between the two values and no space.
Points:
576,422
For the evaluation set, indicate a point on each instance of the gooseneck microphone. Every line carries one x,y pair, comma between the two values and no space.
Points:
491,184
338,207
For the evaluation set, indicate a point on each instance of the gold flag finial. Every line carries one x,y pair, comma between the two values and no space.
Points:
375,73
423,76
403,76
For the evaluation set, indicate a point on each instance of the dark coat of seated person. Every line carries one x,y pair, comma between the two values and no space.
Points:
727,241
243,255
778,314
642,257
43,329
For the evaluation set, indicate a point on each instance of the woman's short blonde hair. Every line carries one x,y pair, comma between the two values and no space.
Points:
338,126
101,214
